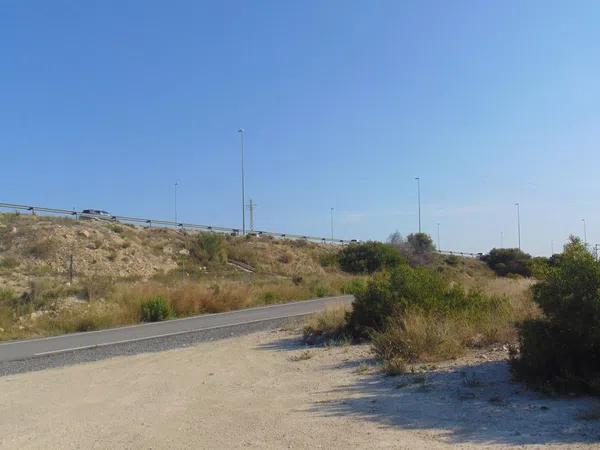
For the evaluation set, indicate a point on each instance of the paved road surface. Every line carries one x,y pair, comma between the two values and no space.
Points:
151,332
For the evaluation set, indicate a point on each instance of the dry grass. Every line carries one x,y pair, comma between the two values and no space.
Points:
420,336
326,326
305,355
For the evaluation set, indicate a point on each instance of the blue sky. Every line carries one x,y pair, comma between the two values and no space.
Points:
106,104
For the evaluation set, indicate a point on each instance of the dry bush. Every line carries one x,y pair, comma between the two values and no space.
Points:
326,325
42,249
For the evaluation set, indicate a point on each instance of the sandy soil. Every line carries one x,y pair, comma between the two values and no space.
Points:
250,392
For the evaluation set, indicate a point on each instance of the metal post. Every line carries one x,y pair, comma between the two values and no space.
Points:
518,224
584,233
502,239
176,184
438,237
332,224
419,199
241,131
71,269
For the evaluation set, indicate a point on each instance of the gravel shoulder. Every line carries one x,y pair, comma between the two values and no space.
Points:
262,391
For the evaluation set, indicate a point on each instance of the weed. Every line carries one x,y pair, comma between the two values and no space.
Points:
302,356
362,369
327,325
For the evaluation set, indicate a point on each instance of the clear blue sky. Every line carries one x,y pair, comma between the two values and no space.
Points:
105,104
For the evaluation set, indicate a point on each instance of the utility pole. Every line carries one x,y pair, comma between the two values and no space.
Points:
176,184
438,237
584,233
241,131
596,252
502,239
251,207
518,223
331,224
419,199
551,248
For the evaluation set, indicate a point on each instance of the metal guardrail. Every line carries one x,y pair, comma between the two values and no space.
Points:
466,254
165,223
191,226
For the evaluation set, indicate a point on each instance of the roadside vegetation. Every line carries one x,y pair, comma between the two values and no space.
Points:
418,306
123,274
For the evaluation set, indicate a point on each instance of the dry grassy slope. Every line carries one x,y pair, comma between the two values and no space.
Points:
33,246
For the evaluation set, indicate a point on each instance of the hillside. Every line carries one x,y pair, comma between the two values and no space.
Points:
116,266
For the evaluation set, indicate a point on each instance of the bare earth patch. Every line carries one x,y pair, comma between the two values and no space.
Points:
257,391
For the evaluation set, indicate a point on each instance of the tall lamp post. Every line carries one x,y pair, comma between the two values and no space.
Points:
518,223
419,199
331,224
241,131
584,233
176,184
438,237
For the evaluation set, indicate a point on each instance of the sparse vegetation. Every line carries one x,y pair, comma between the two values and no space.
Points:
305,355
416,315
327,326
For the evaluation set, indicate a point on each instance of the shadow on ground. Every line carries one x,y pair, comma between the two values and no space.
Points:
476,404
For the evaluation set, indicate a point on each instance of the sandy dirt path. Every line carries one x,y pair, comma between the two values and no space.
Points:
249,392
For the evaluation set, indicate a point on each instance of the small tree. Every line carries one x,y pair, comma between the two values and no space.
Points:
368,257
562,350
505,261
420,243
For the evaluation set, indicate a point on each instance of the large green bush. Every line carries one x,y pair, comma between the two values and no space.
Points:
368,257
506,261
562,351
391,294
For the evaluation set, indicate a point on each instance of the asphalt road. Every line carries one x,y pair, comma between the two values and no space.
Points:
151,334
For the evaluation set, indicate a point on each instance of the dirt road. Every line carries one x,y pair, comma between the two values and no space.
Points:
259,391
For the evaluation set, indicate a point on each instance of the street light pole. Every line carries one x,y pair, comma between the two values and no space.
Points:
332,224
419,199
176,184
241,131
584,233
518,223
438,237
502,239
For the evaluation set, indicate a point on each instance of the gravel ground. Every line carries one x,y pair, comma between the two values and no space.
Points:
266,390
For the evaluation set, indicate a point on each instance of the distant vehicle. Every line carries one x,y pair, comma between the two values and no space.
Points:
96,214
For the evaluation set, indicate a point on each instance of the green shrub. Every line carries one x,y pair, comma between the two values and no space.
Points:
561,351
319,290
328,259
155,310
420,243
8,262
368,257
392,293
208,248
505,261
269,297
452,260
354,287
